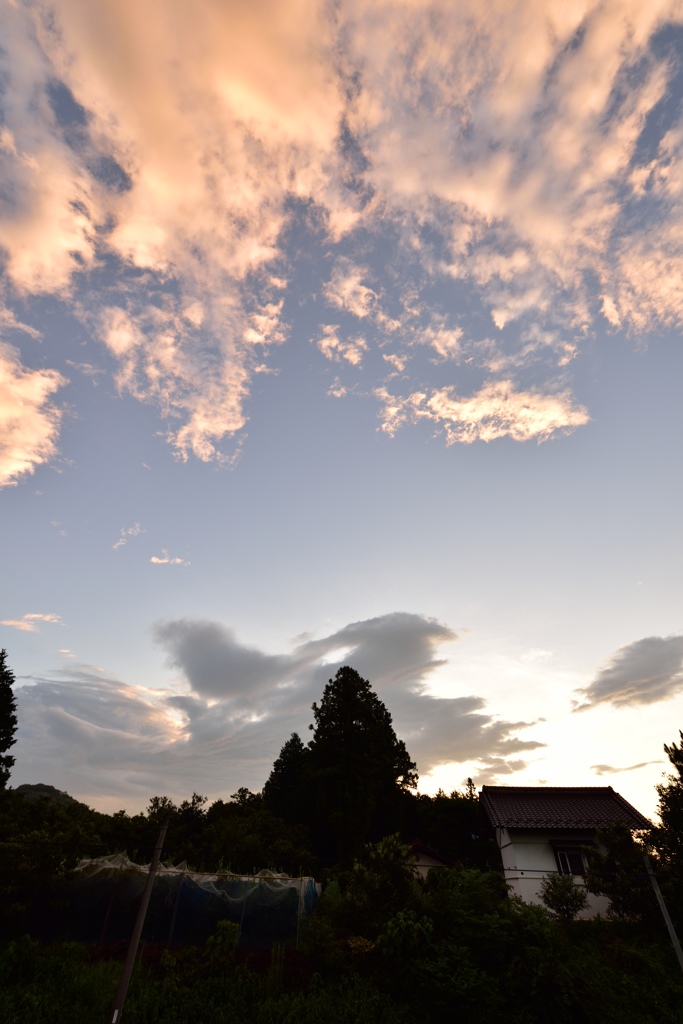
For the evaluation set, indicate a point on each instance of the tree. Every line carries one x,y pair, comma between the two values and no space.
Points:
8,719
669,838
616,870
358,768
563,897
285,791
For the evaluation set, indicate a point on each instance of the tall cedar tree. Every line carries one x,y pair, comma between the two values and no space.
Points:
285,791
8,719
359,769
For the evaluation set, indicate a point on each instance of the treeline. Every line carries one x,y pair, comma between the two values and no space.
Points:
352,784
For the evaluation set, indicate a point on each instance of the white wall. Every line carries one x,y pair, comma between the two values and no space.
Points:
528,857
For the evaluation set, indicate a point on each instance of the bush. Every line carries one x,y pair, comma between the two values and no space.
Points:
563,897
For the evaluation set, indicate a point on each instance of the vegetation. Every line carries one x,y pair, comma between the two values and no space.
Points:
563,897
8,719
347,784
383,945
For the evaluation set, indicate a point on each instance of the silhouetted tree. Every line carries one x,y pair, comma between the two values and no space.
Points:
358,768
8,719
670,835
285,791
616,870
668,838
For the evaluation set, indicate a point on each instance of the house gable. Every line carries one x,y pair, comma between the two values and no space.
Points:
544,830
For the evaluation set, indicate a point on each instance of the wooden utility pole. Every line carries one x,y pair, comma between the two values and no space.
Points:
117,1008
665,912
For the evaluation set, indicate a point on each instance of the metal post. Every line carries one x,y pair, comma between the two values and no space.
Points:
117,1008
665,912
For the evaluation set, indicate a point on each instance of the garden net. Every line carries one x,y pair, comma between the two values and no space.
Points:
102,897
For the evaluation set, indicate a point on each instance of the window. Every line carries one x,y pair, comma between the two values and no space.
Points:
571,855
570,862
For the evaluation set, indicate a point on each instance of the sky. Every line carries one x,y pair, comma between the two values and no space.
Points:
341,334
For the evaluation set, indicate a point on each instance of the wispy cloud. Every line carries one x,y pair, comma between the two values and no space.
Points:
167,560
87,369
126,533
496,410
643,672
608,769
22,624
29,421
29,623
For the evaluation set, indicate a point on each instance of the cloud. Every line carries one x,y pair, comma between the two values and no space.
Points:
607,769
643,672
131,531
232,706
87,369
445,341
22,624
346,291
28,623
172,144
167,560
337,389
29,422
215,664
526,153
496,410
333,348
523,145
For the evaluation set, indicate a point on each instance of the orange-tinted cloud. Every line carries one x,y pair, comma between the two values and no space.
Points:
496,410
512,131
29,421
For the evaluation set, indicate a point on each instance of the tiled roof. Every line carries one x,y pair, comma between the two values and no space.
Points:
558,807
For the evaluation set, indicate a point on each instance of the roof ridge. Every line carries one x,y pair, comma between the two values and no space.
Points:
544,789
559,807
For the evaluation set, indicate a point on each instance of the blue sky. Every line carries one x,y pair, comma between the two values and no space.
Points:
346,339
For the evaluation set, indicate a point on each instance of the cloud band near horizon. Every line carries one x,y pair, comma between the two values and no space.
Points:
233,707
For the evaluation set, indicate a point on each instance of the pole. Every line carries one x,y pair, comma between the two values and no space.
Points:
665,912
117,1008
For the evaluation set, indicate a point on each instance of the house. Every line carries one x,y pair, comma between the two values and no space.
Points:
544,829
425,859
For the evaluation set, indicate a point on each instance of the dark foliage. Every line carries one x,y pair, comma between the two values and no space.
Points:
8,719
617,871
357,769
669,837
286,790
450,825
459,948
34,791
382,947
